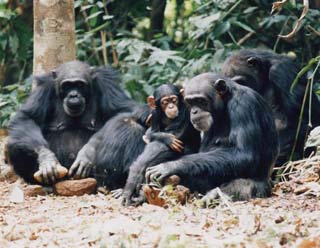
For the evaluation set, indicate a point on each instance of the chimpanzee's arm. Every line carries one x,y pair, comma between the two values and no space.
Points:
85,159
27,125
25,131
219,166
154,153
166,138
111,100
130,122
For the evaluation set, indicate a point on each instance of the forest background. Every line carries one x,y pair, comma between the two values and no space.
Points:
152,42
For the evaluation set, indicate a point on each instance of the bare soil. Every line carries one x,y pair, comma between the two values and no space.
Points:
287,219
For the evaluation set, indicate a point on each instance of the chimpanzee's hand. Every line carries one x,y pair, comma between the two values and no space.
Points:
126,199
130,200
175,144
157,173
48,166
84,163
213,198
145,139
128,193
117,193
167,138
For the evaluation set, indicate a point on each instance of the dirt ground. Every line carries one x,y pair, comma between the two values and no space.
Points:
291,218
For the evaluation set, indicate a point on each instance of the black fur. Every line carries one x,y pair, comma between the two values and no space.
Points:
117,151
241,141
158,150
272,75
42,123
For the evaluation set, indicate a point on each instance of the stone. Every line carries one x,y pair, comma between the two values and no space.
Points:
16,195
76,187
173,180
301,189
34,190
62,172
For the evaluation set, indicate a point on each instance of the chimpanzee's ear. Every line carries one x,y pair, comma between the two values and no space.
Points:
182,92
151,102
252,62
220,86
54,74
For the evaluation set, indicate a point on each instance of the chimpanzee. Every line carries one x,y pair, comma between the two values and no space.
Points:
272,75
171,135
69,105
119,143
239,140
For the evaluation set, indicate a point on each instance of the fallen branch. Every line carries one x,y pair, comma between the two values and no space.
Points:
298,23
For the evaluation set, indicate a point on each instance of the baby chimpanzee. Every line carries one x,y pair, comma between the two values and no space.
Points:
171,135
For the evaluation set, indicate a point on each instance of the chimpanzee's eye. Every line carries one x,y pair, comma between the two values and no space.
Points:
174,100
252,62
164,102
201,102
66,88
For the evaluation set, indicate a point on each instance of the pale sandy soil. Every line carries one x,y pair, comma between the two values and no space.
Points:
286,220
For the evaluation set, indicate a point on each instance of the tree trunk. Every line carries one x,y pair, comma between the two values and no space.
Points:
54,34
157,17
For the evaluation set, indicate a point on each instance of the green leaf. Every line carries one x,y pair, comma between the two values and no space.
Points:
6,14
14,43
77,3
100,4
161,57
89,6
249,10
107,17
205,22
93,17
24,35
221,28
2,104
242,25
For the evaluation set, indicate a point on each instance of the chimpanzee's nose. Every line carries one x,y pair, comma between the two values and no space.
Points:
73,94
194,111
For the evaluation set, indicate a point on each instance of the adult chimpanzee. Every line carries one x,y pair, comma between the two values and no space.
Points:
272,75
66,109
239,140
118,143
171,135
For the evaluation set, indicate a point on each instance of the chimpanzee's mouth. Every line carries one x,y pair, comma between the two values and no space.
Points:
240,80
202,124
75,110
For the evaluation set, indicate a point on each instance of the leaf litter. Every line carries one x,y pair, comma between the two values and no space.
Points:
290,218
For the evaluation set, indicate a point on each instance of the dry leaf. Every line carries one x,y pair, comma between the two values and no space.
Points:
17,195
310,243
277,5
298,23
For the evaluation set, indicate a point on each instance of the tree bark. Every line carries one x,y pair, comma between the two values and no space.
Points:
54,34
157,17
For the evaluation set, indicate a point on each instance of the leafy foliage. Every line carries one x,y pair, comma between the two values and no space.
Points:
15,45
11,98
197,37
